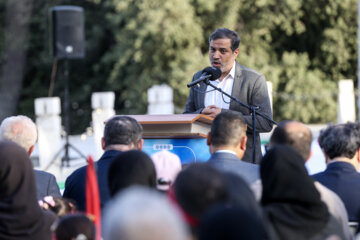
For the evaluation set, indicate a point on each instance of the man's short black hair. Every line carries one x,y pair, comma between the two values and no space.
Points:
342,140
226,33
122,130
227,129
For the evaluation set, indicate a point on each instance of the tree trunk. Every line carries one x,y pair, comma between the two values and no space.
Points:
17,21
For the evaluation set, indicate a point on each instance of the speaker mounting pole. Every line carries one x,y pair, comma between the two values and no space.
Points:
68,145
68,40
66,158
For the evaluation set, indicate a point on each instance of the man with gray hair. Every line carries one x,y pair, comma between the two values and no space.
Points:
139,213
22,130
121,134
341,147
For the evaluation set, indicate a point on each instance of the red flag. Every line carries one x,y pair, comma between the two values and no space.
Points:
93,196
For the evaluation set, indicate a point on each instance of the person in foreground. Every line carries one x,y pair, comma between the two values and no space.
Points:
20,215
243,83
232,223
121,134
341,147
227,144
130,168
140,213
290,201
200,187
22,130
74,227
298,136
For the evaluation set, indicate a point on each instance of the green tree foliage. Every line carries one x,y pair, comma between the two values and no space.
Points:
301,93
302,46
86,75
13,53
156,42
2,23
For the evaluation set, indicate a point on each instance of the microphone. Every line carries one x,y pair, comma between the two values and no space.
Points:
214,72
210,73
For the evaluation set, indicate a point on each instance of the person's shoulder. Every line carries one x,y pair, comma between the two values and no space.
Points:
250,165
43,174
328,195
323,190
77,173
246,166
317,175
247,70
231,160
107,158
218,156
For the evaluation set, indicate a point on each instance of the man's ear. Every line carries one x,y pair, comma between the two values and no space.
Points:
243,143
31,149
103,143
208,139
140,144
236,52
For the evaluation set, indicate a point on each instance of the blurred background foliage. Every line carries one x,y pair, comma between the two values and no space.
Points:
304,47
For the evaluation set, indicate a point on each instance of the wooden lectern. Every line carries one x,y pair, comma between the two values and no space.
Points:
181,134
175,126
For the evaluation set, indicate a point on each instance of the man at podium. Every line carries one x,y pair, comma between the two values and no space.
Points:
243,83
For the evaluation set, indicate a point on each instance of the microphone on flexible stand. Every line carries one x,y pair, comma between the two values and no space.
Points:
208,73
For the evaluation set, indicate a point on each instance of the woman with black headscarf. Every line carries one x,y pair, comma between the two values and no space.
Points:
20,214
290,200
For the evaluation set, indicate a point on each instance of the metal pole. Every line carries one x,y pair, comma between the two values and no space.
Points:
67,112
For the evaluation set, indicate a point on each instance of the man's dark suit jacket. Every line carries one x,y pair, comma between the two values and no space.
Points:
75,183
231,163
344,180
250,88
46,185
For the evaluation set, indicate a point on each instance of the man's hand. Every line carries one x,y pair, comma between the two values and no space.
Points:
211,110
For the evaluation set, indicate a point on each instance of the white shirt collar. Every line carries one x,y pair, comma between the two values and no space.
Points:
226,151
231,74
232,71
216,98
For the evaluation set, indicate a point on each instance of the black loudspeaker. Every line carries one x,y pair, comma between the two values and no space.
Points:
67,32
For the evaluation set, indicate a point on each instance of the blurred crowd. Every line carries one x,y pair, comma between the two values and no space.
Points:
156,198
